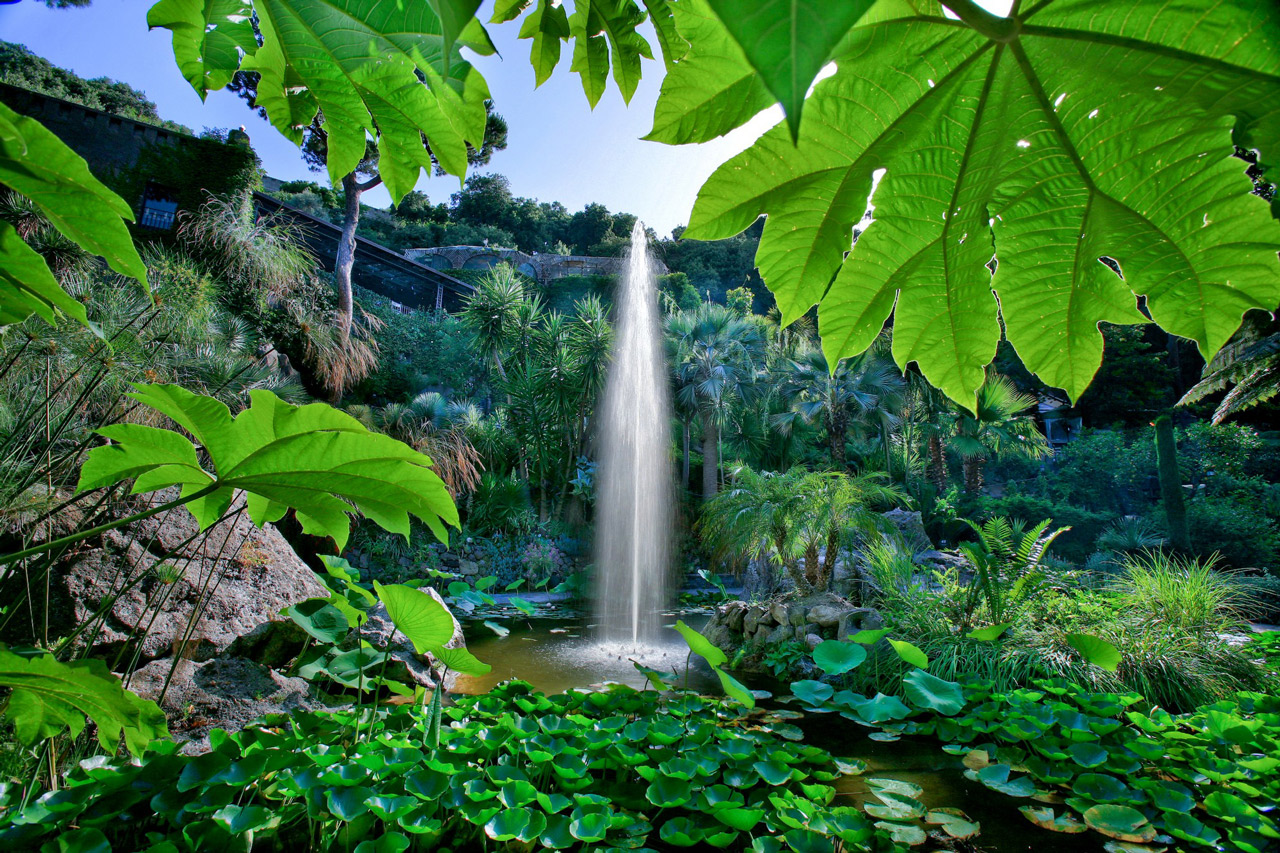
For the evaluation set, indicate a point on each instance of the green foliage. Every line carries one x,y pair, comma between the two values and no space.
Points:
1235,528
312,459
1025,163
569,772
50,697
1193,595
40,167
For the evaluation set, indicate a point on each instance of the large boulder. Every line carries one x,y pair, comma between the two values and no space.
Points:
179,592
224,693
910,529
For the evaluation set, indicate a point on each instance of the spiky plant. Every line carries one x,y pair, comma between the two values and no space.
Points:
1247,368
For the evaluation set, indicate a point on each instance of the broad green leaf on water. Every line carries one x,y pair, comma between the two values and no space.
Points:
523,606
711,89
315,459
1096,651
358,63
50,697
209,37
461,660
928,691
903,833
601,29
989,634
870,637
836,658
734,688
1090,132
500,630
547,25
1122,822
319,618
1043,816
655,677
910,653
788,41
701,646
36,164
426,622
89,840
954,823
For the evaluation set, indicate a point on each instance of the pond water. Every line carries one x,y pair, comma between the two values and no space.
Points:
561,653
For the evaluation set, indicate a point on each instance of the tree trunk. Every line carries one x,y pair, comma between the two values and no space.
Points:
710,454
973,468
829,559
802,584
836,431
346,255
937,463
812,571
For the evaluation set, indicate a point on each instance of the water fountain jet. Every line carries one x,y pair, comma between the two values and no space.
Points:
634,477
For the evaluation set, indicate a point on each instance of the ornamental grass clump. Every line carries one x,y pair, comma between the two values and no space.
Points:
1186,593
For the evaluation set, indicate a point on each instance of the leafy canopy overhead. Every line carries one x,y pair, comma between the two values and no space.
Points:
1033,175
314,459
1041,146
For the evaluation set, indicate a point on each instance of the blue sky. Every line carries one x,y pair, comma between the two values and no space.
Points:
559,149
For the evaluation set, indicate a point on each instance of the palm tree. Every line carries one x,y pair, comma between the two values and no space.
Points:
1249,365
996,429
927,412
868,388
713,359
491,313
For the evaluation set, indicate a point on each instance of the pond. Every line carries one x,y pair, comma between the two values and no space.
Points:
559,653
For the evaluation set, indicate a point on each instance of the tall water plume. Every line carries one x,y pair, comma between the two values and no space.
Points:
634,478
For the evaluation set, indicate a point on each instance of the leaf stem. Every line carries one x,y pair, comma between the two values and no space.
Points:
73,538
994,27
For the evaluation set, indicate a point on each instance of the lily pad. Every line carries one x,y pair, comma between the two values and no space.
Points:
1120,822
1043,816
954,823
903,833
836,658
928,691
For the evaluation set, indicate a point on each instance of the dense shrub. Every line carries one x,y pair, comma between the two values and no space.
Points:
1234,528
1076,544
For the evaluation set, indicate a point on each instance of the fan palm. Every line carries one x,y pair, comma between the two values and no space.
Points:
867,389
997,428
1247,368
714,352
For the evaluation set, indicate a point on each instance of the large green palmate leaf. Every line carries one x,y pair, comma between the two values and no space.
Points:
1078,136
50,697
321,462
788,41
393,71
600,28
547,25
39,166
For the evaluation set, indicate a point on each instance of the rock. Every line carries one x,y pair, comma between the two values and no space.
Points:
719,635
224,693
795,615
468,567
779,634
940,560
812,628
379,632
812,641
778,610
827,615
910,529
449,561
859,619
733,614
751,620
271,644
215,587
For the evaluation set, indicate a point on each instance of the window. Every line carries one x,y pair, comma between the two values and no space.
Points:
159,206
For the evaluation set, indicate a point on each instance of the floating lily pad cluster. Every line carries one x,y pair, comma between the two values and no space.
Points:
1094,761
612,770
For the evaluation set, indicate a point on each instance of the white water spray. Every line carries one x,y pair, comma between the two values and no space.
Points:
634,481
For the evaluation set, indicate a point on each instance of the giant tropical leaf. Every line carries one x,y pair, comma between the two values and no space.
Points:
387,70
547,25
787,41
1049,148
711,88
39,166
314,459
601,28
50,697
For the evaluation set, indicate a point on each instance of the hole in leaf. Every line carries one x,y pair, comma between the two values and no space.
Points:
1113,265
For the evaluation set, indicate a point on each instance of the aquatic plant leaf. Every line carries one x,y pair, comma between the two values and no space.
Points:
516,824
426,622
1096,651
1121,822
461,660
701,646
788,41
903,833
741,819
895,806
869,637
996,777
897,786
1005,138
320,619
954,823
500,630
1189,828
836,658
910,653
1043,816
812,692
880,708
734,688
51,697
523,606
990,633
1103,788
313,458
928,691
681,832
588,826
